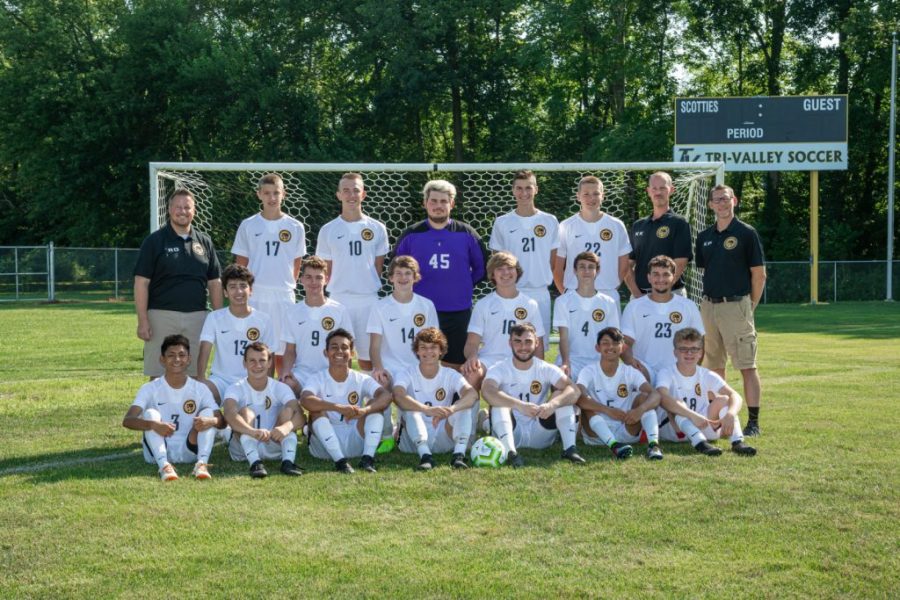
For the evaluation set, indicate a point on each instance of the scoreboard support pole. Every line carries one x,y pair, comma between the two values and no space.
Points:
814,237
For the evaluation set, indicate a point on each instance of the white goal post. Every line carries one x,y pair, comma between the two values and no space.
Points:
226,192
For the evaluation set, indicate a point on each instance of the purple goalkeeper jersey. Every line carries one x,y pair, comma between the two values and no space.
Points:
451,260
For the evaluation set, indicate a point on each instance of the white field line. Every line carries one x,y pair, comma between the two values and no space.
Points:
56,464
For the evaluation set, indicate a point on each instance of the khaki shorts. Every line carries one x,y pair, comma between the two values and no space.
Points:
729,332
168,322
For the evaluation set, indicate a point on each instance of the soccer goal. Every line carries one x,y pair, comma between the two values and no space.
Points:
226,192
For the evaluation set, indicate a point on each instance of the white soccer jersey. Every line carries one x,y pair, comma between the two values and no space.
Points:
493,316
352,247
265,404
532,385
607,238
617,391
177,406
307,327
354,391
531,240
271,247
397,324
693,390
652,326
230,336
437,391
584,318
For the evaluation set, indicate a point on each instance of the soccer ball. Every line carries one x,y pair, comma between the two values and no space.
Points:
488,452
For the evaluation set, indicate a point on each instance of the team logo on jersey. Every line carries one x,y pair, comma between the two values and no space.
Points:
367,234
598,315
353,398
190,407
676,317
662,232
419,320
268,403
440,394
327,323
730,243
540,230
284,235
520,313
622,390
253,334
697,390
197,247
606,234
536,387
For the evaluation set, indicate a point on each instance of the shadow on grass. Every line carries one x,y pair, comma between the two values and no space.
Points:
866,320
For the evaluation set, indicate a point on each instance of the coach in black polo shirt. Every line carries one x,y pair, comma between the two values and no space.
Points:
734,275
175,268
662,233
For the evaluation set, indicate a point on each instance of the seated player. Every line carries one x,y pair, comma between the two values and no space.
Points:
580,314
439,393
517,390
616,401
704,406
307,323
230,330
262,412
345,408
177,414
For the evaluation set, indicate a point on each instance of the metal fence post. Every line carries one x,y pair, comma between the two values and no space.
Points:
116,268
834,279
16,266
51,273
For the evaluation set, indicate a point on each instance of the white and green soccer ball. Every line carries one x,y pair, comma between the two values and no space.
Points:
488,452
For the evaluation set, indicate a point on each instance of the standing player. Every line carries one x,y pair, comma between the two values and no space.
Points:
517,390
345,408
452,258
307,323
533,237
597,231
261,412
272,244
353,246
437,404
580,314
230,330
616,401
704,406
661,233
176,413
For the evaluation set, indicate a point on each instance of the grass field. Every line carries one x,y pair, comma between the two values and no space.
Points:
815,514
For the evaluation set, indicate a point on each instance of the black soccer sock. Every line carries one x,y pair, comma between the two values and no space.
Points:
753,411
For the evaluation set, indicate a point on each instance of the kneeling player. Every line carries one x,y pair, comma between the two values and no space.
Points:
337,397
263,414
704,406
177,414
521,384
617,401
431,390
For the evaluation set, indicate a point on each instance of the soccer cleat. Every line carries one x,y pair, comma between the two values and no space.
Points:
426,463
707,449
739,447
367,463
751,429
167,473
458,461
386,446
201,471
342,466
654,452
515,460
622,451
289,468
258,470
571,454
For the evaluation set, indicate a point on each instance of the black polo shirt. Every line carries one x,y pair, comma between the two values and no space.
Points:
177,268
727,256
669,235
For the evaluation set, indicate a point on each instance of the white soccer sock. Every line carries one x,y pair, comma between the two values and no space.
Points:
565,423
155,442
205,439
650,423
251,448
415,426
461,424
501,420
602,430
372,427
289,447
387,429
737,434
325,432
689,429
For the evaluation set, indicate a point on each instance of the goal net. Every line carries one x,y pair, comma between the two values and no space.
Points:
225,193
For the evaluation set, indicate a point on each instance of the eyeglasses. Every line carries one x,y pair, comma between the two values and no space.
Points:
721,200
689,349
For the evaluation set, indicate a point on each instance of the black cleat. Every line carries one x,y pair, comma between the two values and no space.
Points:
458,461
342,466
739,447
751,429
426,463
258,470
289,468
622,451
654,452
707,449
515,460
572,455
367,463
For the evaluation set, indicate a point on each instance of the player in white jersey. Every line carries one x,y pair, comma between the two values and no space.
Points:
354,246
308,323
263,414
229,330
271,244
177,414
650,322
521,384
580,314
701,404
436,402
599,232
533,237
493,316
345,408
617,401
